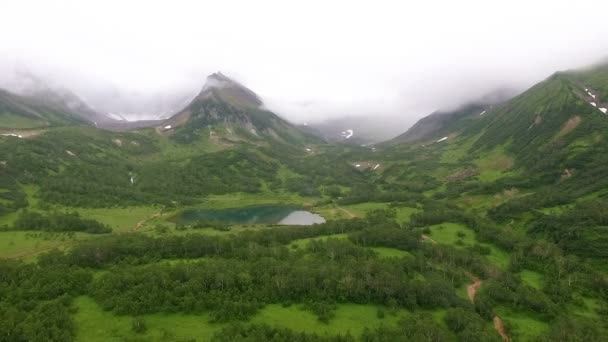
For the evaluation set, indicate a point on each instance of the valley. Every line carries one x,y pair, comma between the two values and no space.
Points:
487,223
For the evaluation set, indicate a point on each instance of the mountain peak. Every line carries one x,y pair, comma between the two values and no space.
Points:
230,91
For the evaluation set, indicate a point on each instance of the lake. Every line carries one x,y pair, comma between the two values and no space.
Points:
262,214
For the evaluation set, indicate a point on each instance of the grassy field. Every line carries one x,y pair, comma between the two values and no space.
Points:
243,200
9,121
26,245
588,307
521,326
531,278
361,209
461,236
387,252
120,219
93,324
494,165
302,243
351,318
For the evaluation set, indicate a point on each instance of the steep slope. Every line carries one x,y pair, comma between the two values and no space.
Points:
445,122
355,130
225,109
48,94
19,112
441,123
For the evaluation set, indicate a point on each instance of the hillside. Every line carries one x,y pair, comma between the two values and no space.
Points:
19,112
226,110
450,122
491,227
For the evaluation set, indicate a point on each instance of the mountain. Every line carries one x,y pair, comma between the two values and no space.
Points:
20,112
54,97
444,122
549,135
128,105
354,130
226,109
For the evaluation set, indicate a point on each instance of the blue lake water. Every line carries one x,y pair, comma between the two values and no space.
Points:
263,214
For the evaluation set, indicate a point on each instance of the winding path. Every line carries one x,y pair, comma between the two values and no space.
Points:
472,290
350,214
142,222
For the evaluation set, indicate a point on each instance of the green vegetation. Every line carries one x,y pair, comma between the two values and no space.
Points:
505,221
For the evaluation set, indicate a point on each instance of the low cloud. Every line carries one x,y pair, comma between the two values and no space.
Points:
311,61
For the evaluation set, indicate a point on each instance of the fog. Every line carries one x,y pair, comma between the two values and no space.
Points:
309,61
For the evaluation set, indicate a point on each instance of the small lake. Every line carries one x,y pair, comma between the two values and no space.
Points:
263,214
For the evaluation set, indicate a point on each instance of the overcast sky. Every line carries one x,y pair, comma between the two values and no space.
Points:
311,59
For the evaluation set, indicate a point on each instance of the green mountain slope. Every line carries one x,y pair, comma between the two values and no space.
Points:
230,112
441,123
498,232
19,112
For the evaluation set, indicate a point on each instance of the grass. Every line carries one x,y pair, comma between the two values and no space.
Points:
448,233
351,318
454,152
8,120
93,324
531,278
387,252
242,200
494,165
302,243
588,307
521,326
26,245
361,209
120,219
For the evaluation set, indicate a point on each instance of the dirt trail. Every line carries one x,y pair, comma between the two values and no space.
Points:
142,222
472,290
426,237
501,328
350,214
29,253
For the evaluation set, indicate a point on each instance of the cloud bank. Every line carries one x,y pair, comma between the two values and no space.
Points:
311,60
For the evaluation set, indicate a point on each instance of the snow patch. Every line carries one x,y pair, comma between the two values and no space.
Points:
116,116
168,127
604,110
308,150
347,134
12,135
442,139
70,153
482,113
377,165
593,104
132,180
358,165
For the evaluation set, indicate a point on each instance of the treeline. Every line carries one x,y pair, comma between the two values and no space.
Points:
408,198
582,230
58,222
486,231
517,206
35,301
141,249
12,196
332,271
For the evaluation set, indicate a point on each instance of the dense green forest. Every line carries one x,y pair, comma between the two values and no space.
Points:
499,232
